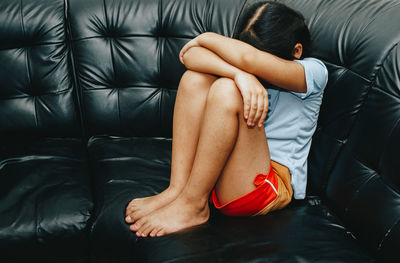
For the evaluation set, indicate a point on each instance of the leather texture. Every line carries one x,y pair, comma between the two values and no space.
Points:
128,61
45,200
87,90
127,168
37,97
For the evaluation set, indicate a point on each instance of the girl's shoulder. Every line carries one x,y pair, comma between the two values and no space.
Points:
316,74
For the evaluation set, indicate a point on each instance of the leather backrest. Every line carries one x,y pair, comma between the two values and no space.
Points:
36,84
127,71
354,159
126,56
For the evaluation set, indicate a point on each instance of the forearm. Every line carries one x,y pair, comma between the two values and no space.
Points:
203,60
230,50
280,72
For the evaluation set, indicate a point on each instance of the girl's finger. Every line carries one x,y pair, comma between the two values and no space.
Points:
265,112
260,109
253,110
247,104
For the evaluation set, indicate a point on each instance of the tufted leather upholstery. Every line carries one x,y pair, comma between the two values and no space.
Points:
358,129
87,90
128,61
37,95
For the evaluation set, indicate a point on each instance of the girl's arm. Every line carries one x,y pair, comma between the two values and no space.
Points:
283,73
255,96
203,60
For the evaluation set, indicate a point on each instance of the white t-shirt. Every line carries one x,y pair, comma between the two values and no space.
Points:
291,121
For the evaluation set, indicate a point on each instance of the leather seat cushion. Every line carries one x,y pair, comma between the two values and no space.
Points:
45,200
126,168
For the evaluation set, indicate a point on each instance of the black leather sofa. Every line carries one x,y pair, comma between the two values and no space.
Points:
87,90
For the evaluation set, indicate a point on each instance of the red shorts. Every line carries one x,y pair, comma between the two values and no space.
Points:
271,193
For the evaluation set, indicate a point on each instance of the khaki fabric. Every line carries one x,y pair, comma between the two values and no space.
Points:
285,191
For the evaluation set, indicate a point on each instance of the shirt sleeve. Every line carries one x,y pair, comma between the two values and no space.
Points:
316,76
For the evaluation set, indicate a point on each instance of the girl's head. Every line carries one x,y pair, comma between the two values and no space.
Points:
275,28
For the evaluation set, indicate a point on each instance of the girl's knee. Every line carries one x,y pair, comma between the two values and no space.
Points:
193,81
225,93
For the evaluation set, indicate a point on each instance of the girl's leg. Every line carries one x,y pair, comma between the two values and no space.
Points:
227,147
188,112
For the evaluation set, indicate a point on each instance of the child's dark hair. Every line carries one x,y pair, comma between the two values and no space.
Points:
275,28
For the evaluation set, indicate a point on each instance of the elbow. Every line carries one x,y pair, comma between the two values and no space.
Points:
185,58
188,56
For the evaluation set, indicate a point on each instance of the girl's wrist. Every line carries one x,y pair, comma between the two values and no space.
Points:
240,75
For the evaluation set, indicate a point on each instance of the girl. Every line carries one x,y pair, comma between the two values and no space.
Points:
232,137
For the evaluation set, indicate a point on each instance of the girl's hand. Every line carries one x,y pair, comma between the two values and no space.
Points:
255,99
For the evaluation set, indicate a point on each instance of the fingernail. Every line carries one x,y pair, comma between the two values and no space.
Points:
128,218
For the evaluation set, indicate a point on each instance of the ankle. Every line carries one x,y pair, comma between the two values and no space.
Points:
199,202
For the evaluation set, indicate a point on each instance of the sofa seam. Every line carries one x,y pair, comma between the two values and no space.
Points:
110,41
75,71
39,95
35,45
28,68
160,46
81,113
325,61
121,36
160,24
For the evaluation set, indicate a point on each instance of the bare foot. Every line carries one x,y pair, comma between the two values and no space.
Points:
176,216
140,207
